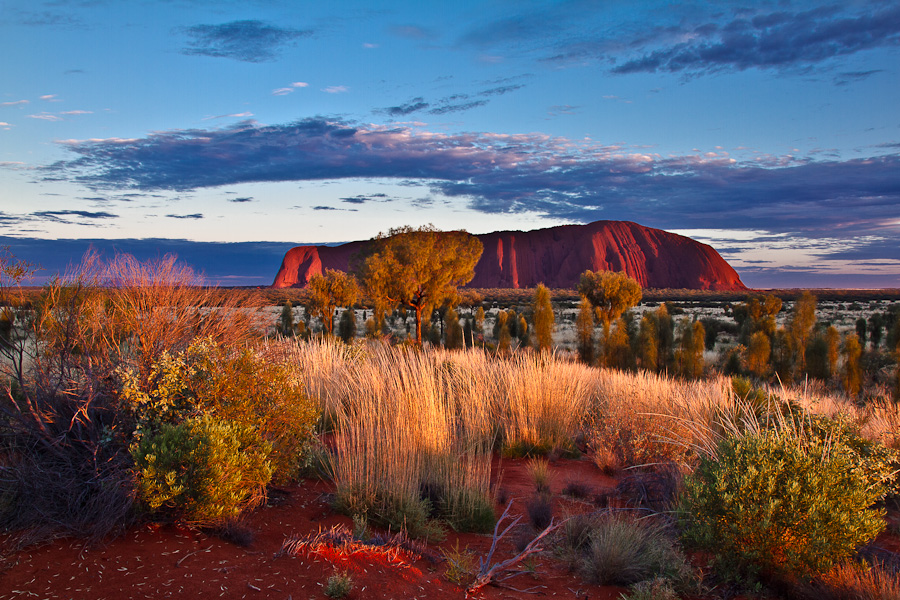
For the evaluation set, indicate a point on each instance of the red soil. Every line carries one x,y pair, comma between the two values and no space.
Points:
153,561
168,562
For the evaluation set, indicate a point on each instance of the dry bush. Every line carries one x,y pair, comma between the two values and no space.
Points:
852,581
64,440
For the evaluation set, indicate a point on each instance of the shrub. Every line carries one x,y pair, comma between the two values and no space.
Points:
776,503
204,470
239,386
540,511
619,549
339,585
539,469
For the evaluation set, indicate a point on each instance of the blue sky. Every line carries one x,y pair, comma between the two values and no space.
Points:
770,130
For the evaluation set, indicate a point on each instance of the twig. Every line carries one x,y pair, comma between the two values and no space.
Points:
185,557
488,573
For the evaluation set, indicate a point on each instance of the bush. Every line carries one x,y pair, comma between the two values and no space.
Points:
202,471
239,386
339,585
618,549
777,503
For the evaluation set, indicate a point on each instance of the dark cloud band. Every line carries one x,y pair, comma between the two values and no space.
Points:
498,173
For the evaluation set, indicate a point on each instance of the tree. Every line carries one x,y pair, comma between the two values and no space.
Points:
616,349
648,342
501,331
611,293
758,353
328,291
851,376
757,314
418,268
347,326
542,318
803,320
524,334
286,327
876,322
861,331
454,334
584,327
833,340
689,356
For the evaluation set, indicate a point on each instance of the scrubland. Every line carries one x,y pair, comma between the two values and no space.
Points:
129,397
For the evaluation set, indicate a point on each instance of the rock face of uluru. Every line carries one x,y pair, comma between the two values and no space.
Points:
556,257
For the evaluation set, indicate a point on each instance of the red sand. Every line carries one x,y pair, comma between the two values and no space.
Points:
167,562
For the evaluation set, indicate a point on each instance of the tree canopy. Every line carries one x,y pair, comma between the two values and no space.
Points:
418,268
329,290
611,293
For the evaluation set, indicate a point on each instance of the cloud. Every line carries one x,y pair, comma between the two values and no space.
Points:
369,45
562,109
411,32
287,90
5,126
59,216
242,199
16,103
554,177
448,104
456,107
247,41
50,98
407,108
77,112
850,77
231,116
336,89
191,216
45,116
766,40
363,198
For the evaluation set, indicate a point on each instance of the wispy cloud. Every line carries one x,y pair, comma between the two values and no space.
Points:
363,198
15,103
231,116
411,32
45,116
77,112
501,173
50,98
289,89
62,216
694,39
241,199
336,89
191,216
448,104
769,40
248,41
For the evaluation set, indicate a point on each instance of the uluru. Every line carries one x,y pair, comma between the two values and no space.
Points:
556,257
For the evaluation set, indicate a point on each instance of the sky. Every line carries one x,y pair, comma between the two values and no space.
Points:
226,132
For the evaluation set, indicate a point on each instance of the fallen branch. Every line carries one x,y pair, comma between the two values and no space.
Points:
488,573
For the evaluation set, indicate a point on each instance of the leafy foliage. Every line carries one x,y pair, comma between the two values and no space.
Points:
204,470
328,291
779,503
610,292
240,386
418,268
542,317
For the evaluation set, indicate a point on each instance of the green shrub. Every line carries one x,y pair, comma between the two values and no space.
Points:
778,502
243,387
203,470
